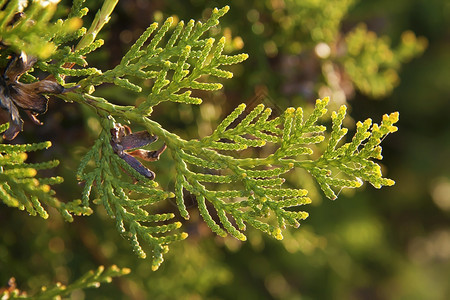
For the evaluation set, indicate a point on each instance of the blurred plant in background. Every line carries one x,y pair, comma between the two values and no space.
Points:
384,244
315,49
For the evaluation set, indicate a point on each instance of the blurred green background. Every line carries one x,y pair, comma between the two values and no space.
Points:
392,243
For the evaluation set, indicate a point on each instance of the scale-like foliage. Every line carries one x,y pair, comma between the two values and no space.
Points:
29,26
19,186
256,195
173,65
91,279
127,201
65,56
231,191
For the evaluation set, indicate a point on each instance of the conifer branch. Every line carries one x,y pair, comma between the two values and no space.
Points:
175,65
232,192
255,195
19,186
126,195
32,28
91,279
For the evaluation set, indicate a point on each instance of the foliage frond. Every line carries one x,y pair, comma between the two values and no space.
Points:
19,186
31,28
175,60
91,279
251,190
128,197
